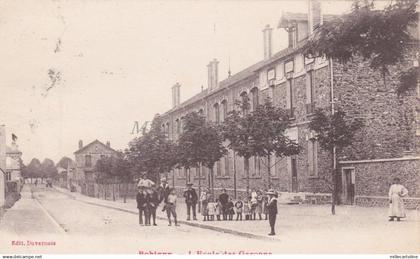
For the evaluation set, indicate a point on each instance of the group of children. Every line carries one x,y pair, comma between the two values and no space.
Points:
246,209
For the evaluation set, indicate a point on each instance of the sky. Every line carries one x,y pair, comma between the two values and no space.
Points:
85,70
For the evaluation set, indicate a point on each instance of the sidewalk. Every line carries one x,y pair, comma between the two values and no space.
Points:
28,216
131,207
351,223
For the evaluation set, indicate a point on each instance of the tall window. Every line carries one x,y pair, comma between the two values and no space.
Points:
88,160
178,126
216,113
227,164
167,129
313,157
244,97
8,176
224,110
254,93
218,169
310,94
257,166
289,100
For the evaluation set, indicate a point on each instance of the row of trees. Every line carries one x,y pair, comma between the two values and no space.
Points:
36,169
260,133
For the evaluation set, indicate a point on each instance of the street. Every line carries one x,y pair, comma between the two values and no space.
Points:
78,227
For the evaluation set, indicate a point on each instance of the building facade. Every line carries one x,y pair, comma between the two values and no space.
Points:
2,166
83,177
386,147
13,163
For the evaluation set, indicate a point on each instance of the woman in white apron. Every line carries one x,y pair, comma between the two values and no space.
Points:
396,203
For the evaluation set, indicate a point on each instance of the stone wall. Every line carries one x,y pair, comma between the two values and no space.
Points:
390,121
373,178
377,201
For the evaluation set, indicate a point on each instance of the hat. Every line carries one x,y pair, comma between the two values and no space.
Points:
272,192
163,180
189,184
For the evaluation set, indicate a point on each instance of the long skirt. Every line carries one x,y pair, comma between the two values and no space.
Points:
396,207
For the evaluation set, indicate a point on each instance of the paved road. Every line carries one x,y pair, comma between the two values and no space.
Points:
78,227
93,229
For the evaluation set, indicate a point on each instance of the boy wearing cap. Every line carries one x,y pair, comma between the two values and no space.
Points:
272,210
191,199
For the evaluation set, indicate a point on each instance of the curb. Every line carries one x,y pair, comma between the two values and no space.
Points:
188,223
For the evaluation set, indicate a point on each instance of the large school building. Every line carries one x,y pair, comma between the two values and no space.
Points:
386,147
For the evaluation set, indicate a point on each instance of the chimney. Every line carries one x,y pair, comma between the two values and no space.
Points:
314,15
176,96
213,74
80,144
267,41
108,144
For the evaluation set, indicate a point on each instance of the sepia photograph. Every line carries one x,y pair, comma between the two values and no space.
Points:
209,127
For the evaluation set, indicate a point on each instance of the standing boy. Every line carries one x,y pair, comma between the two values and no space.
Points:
191,199
272,210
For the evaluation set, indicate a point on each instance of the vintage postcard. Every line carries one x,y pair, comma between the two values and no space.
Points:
209,127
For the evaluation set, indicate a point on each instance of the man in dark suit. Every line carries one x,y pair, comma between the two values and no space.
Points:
224,199
140,198
152,202
272,210
191,199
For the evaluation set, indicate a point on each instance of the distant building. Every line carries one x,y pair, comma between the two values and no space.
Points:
386,147
85,160
2,166
67,175
13,163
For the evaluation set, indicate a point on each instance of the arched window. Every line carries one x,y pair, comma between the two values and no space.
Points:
178,126
254,98
244,98
224,110
216,113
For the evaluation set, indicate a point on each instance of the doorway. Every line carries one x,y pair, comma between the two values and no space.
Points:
347,183
294,175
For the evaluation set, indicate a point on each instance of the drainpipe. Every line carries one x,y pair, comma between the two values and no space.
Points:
334,193
332,101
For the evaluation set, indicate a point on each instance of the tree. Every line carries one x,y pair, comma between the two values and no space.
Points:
200,144
48,169
103,170
64,162
381,36
153,152
269,134
121,169
334,132
33,170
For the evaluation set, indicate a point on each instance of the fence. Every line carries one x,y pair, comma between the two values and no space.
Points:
112,191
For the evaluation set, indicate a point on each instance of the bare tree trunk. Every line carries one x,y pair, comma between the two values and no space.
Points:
246,167
113,190
199,187
212,181
334,182
269,171
234,175
125,191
